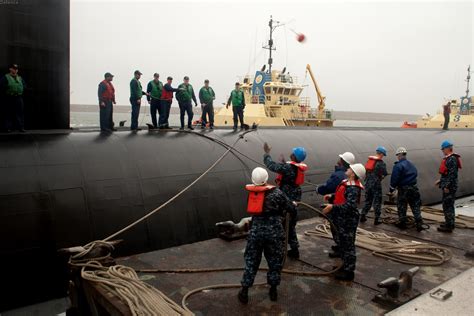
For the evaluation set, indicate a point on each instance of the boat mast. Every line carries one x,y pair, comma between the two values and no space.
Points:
467,80
270,42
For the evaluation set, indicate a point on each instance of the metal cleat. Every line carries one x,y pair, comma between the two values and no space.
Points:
399,291
233,231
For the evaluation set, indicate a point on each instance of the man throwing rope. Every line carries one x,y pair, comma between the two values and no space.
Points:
290,178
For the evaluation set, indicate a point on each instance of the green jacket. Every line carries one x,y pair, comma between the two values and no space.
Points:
14,85
206,95
185,93
237,98
154,90
136,91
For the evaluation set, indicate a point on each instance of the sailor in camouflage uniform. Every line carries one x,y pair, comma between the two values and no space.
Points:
448,182
376,171
290,177
346,200
267,205
404,179
329,188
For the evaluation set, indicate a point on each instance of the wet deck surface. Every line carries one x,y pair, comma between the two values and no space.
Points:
298,295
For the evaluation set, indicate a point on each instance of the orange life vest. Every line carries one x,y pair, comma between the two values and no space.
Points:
256,197
443,169
370,165
301,168
340,197
109,92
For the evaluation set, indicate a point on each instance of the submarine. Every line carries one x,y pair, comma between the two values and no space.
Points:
61,187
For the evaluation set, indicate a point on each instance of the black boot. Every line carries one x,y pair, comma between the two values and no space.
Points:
334,254
445,229
419,226
401,225
244,295
335,248
344,275
377,221
293,253
273,293
363,219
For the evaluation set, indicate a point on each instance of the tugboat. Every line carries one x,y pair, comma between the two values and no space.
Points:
462,112
273,98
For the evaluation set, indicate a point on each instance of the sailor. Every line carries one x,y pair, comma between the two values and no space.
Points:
237,99
207,97
154,90
344,207
448,183
166,100
136,94
329,188
404,179
290,178
12,87
267,205
446,114
184,95
376,170
106,94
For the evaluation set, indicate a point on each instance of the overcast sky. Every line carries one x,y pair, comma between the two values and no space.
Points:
393,57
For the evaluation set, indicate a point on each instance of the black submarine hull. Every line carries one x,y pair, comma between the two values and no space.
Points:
64,189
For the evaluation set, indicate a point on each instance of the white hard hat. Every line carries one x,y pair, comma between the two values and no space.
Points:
259,176
348,157
401,150
359,170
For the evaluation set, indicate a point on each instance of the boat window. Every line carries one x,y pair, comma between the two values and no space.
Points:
268,90
269,98
287,92
280,90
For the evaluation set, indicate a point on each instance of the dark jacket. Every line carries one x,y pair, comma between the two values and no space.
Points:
334,180
403,173
289,173
276,203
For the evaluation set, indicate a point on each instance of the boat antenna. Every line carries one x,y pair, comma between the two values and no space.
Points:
272,25
467,80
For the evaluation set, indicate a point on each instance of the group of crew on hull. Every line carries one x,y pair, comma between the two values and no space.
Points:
160,98
268,204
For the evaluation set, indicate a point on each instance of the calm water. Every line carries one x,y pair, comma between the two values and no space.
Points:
82,119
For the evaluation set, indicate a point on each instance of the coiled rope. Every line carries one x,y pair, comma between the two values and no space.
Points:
430,215
393,248
140,297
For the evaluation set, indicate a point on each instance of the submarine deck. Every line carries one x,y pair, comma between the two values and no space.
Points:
298,295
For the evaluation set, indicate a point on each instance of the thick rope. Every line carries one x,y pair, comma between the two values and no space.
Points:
392,248
430,215
140,297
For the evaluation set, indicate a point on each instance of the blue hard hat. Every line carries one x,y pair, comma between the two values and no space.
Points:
446,144
382,150
300,153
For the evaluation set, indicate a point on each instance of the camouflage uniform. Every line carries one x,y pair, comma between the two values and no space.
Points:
449,181
404,178
348,219
373,188
292,191
409,194
267,235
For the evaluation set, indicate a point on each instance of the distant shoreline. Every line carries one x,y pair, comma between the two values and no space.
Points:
339,115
